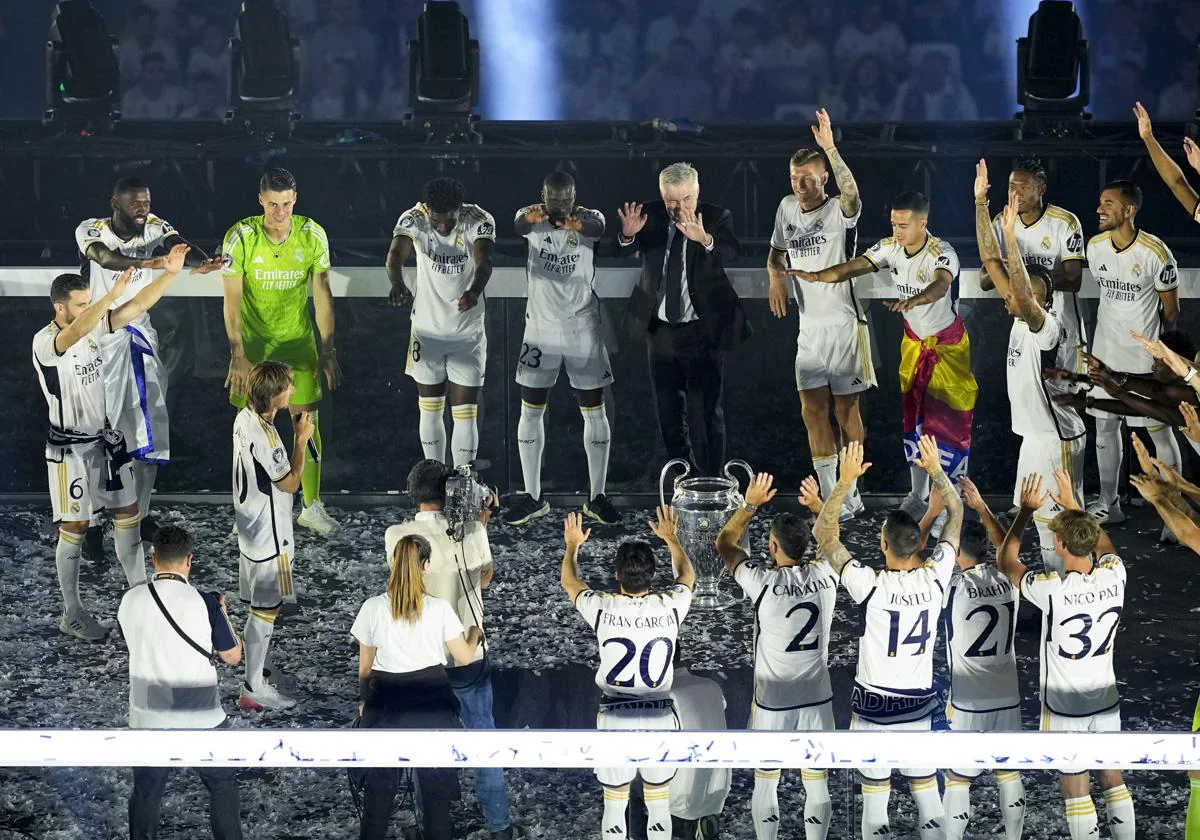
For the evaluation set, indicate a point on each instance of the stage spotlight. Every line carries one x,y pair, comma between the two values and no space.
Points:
82,79
1053,79
443,62
264,62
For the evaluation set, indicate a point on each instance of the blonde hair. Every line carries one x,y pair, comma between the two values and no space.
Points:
406,583
267,381
805,155
678,174
1078,530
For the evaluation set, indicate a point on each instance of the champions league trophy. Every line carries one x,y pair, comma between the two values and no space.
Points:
702,506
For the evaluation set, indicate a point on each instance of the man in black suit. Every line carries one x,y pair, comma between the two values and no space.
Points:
687,309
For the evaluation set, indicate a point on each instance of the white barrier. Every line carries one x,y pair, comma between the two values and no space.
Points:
591,749
508,282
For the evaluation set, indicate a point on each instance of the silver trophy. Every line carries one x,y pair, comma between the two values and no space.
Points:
702,506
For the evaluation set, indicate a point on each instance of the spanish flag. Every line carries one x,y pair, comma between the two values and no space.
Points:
938,390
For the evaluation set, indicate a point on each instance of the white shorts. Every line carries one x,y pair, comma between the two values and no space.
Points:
265,584
1106,721
575,344
1003,720
1043,454
883,773
433,360
135,391
817,718
834,355
632,717
77,476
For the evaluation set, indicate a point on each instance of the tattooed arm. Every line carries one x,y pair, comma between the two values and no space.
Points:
848,196
930,460
826,529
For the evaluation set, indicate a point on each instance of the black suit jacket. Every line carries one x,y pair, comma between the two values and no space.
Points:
713,297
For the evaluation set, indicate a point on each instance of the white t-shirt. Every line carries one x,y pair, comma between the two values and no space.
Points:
900,611
263,512
1130,280
171,686
981,621
1034,412
455,569
72,382
561,269
445,269
404,646
1080,617
816,239
793,612
139,246
636,637
1055,238
912,274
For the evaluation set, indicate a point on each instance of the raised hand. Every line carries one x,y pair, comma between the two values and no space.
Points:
823,131
760,490
929,459
209,266
121,284
810,494
981,180
1010,214
1150,488
1178,365
1170,475
570,223
1064,492
665,527
1192,152
1143,456
1032,495
691,225
1145,129
971,495
852,465
176,257
1094,364
1192,428
633,219
573,532
536,213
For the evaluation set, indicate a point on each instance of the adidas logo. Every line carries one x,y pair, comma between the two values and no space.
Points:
547,239
774,818
856,381
258,259
813,821
931,825
607,375
1116,821
1020,803
882,831
655,827
961,817
616,829
1102,267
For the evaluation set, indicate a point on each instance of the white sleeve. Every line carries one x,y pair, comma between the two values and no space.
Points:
880,254
1037,588
451,627
1049,336
1071,246
87,233
779,236
948,260
363,628
589,603
943,563
409,225
752,577
595,216
1167,278
858,580
270,454
681,599
163,230
851,222
483,228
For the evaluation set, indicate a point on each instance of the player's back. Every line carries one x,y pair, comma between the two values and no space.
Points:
793,613
1080,617
637,637
981,620
263,512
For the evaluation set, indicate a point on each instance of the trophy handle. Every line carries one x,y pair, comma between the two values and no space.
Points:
662,477
742,465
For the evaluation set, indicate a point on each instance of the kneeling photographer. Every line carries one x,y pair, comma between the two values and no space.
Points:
453,510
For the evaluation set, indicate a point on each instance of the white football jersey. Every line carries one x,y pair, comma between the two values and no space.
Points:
900,611
912,274
636,637
816,239
1130,280
1080,617
981,624
1055,238
72,382
445,269
140,246
561,269
793,611
263,512
1034,412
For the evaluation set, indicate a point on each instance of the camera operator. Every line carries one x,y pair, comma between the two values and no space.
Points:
172,631
458,572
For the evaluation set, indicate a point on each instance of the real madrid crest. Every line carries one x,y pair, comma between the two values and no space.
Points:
1045,243
572,240
818,224
458,242
1136,271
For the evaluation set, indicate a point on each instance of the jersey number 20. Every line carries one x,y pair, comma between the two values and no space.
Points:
613,677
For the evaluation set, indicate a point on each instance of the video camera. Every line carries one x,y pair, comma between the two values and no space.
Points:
465,498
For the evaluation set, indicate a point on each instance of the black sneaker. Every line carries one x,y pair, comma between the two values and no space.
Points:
602,510
524,508
149,528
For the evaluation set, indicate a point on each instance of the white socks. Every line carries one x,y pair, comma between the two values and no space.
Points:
1012,803
658,809
66,561
875,796
597,438
432,427
826,467
764,804
531,442
956,805
929,808
920,482
259,626
127,534
612,823
1118,807
817,807
144,474
1081,816
464,440
1166,447
1110,448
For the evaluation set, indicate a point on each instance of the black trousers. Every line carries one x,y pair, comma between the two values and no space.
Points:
416,700
224,806
687,373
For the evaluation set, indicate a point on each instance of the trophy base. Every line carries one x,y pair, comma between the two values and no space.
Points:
712,600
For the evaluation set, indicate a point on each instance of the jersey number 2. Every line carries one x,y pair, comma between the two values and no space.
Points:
814,614
614,676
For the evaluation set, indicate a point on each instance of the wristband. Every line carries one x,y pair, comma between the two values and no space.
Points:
749,508
1191,372
328,352
981,203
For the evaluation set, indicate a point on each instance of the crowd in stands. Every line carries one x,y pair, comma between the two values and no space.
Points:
703,60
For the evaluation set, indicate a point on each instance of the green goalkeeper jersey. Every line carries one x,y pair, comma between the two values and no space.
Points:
275,276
